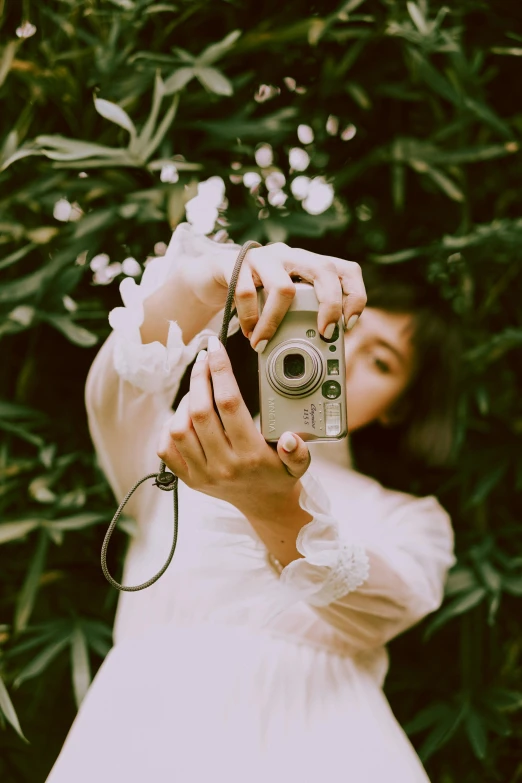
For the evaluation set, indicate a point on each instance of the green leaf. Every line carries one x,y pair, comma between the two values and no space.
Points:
80,665
477,734
13,531
8,711
442,732
41,661
27,596
60,148
114,113
178,79
426,718
417,18
74,333
504,699
215,51
460,605
460,580
214,81
76,522
12,258
8,56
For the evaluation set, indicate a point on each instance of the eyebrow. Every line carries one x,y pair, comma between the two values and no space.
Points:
393,349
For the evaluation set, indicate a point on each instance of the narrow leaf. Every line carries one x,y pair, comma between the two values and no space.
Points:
178,80
41,661
215,51
81,669
214,81
476,734
74,333
460,605
8,711
12,531
114,113
28,593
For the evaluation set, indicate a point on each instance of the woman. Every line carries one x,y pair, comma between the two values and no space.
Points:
260,654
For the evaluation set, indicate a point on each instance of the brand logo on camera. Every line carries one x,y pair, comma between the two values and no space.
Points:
271,414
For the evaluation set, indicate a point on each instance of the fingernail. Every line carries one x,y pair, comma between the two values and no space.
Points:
260,347
201,356
329,331
352,320
213,343
288,442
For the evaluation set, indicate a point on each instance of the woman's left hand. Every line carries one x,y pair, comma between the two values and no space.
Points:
225,455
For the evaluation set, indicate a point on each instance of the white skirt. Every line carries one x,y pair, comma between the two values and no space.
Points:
234,704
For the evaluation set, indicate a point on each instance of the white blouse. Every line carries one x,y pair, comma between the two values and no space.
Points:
375,560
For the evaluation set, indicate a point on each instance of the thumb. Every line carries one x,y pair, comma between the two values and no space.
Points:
293,452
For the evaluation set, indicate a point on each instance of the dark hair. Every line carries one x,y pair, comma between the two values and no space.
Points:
424,437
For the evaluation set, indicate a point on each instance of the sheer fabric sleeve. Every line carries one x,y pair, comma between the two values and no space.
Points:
371,581
131,386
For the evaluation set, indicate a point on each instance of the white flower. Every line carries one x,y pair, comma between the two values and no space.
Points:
76,212
62,210
264,155
160,248
299,159
112,271
169,173
305,134
202,210
251,179
349,132
202,216
212,190
300,187
265,92
277,198
131,267
26,30
332,124
275,180
99,262
319,197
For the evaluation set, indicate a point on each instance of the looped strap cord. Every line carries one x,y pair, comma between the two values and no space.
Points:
164,480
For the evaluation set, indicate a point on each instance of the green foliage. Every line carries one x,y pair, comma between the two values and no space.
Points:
113,111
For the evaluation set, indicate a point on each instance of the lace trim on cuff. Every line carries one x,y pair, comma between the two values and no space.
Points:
331,566
155,367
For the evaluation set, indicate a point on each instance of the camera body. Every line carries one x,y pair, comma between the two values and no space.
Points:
302,378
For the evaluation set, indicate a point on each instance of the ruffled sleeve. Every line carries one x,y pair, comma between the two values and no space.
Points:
370,578
131,386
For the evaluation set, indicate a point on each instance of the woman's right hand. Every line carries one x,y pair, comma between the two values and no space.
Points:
338,285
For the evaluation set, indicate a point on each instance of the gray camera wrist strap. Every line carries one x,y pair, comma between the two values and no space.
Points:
164,479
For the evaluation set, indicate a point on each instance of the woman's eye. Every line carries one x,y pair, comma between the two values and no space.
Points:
383,367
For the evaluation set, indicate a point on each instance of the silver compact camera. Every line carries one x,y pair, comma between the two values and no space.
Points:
302,375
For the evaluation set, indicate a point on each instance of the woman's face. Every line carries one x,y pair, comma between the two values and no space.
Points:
380,363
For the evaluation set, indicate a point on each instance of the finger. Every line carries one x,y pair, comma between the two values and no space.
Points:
180,438
309,266
280,290
347,296
294,453
234,414
245,298
205,419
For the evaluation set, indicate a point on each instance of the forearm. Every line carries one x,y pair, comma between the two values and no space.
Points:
278,522
174,301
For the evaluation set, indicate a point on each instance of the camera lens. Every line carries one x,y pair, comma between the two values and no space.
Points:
295,368
294,365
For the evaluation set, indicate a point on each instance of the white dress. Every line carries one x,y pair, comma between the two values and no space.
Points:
226,670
